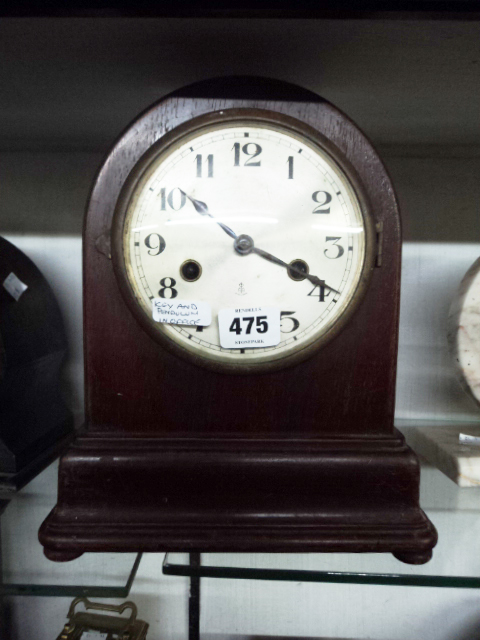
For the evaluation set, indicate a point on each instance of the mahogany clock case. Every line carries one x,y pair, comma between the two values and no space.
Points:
175,456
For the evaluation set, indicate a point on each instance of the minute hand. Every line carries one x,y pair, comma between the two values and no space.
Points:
313,279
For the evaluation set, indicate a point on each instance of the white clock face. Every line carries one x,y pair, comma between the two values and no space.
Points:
256,179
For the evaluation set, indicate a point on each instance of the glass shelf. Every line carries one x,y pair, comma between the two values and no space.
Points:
76,590
25,571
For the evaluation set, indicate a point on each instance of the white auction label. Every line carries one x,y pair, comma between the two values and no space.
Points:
14,286
93,635
172,311
249,328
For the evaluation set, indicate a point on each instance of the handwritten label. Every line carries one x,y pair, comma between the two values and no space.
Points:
464,439
14,286
249,328
171,311
93,635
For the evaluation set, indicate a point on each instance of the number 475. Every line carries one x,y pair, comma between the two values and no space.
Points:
261,325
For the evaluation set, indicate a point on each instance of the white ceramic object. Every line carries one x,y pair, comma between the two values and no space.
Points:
441,446
464,331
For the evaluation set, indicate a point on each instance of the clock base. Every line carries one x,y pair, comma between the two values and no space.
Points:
348,494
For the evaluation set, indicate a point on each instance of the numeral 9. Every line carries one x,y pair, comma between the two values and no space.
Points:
155,243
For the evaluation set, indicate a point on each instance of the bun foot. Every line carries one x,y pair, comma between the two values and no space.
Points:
413,557
62,556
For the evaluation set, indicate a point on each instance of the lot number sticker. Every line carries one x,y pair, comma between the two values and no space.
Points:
251,328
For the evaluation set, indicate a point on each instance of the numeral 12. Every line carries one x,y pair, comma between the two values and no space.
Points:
251,149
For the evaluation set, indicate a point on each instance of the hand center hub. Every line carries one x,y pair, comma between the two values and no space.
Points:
243,244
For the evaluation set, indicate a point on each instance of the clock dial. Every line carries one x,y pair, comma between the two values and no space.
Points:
258,185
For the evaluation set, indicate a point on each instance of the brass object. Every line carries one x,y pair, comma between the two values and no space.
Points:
84,625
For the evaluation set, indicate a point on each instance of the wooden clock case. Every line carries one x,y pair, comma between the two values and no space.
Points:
176,456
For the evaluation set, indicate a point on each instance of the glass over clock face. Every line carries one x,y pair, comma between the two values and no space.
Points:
244,211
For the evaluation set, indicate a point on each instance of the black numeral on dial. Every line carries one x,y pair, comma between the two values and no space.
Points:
173,293
199,161
322,198
251,149
289,328
155,243
321,294
175,199
335,251
290,167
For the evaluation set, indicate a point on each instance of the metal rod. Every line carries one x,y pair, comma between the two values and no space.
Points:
133,573
194,600
299,575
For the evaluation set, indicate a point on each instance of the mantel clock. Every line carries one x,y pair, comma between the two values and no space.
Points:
241,295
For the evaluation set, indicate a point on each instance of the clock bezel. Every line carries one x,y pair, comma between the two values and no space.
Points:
199,125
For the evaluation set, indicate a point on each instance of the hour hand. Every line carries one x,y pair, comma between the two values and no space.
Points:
244,244
313,279
201,208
